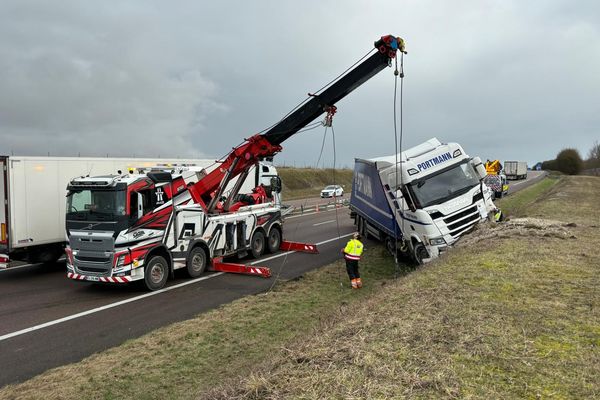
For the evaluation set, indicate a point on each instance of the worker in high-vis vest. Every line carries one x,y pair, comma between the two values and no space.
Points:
352,252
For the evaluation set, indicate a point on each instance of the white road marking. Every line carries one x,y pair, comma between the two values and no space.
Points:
106,307
143,296
324,222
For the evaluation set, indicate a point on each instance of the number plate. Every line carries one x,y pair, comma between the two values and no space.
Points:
93,278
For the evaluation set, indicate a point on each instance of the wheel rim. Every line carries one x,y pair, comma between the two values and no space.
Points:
274,239
157,273
421,253
197,262
258,244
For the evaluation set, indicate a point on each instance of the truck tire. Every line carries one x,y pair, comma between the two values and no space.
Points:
196,263
156,273
420,253
390,246
274,240
257,244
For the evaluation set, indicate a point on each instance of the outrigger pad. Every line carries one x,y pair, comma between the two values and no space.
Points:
297,246
220,266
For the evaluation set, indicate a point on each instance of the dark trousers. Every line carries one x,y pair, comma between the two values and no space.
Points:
352,269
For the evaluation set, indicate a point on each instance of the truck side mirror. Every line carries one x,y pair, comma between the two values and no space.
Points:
479,168
276,184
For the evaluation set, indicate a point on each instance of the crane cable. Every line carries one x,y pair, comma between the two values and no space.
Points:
278,275
398,151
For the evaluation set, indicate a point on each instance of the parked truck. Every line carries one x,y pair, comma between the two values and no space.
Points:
421,201
515,170
145,226
32,218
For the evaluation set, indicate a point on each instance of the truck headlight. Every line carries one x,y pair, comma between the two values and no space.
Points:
437,241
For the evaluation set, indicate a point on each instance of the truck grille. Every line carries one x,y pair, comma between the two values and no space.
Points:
462,220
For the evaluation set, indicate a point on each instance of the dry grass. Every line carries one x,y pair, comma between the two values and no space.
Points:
511,317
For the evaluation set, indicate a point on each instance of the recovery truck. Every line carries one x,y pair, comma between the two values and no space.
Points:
421,201
123,228
496,179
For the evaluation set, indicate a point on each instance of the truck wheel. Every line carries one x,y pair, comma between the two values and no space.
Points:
420,253
274,240
257,244
156,273
196,263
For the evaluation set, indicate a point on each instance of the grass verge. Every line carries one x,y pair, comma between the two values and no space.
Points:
300,183
517,316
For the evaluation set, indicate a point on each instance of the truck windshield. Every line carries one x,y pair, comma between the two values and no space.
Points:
110,202
445,185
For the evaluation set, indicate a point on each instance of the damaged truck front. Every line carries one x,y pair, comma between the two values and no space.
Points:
421,201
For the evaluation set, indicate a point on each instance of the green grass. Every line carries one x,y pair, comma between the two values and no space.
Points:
183,360
517,204
300,183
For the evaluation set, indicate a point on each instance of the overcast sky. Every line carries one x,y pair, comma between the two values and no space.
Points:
506,79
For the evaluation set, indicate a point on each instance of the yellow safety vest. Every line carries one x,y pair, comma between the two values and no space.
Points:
353,250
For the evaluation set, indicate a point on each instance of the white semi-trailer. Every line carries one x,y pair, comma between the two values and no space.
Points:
421,201
32,216
515,170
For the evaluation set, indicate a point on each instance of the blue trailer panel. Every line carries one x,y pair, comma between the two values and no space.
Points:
368,198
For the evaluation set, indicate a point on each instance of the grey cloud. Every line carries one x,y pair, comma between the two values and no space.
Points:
506,79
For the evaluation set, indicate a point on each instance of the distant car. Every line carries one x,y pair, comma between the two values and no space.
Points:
332,191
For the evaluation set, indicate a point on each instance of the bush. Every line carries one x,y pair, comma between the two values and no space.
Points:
549,165
569,162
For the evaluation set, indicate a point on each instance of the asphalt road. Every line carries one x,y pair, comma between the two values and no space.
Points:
48,320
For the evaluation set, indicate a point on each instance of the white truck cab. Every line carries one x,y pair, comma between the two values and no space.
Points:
424,199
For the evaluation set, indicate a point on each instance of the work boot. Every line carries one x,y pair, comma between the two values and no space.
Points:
354,284
358,283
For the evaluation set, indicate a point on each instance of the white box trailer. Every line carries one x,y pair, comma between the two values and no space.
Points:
515,170
32,218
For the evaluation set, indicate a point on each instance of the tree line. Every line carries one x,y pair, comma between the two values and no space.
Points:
569,161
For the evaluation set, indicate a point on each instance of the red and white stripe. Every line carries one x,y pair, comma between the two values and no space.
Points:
105,279
351,257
